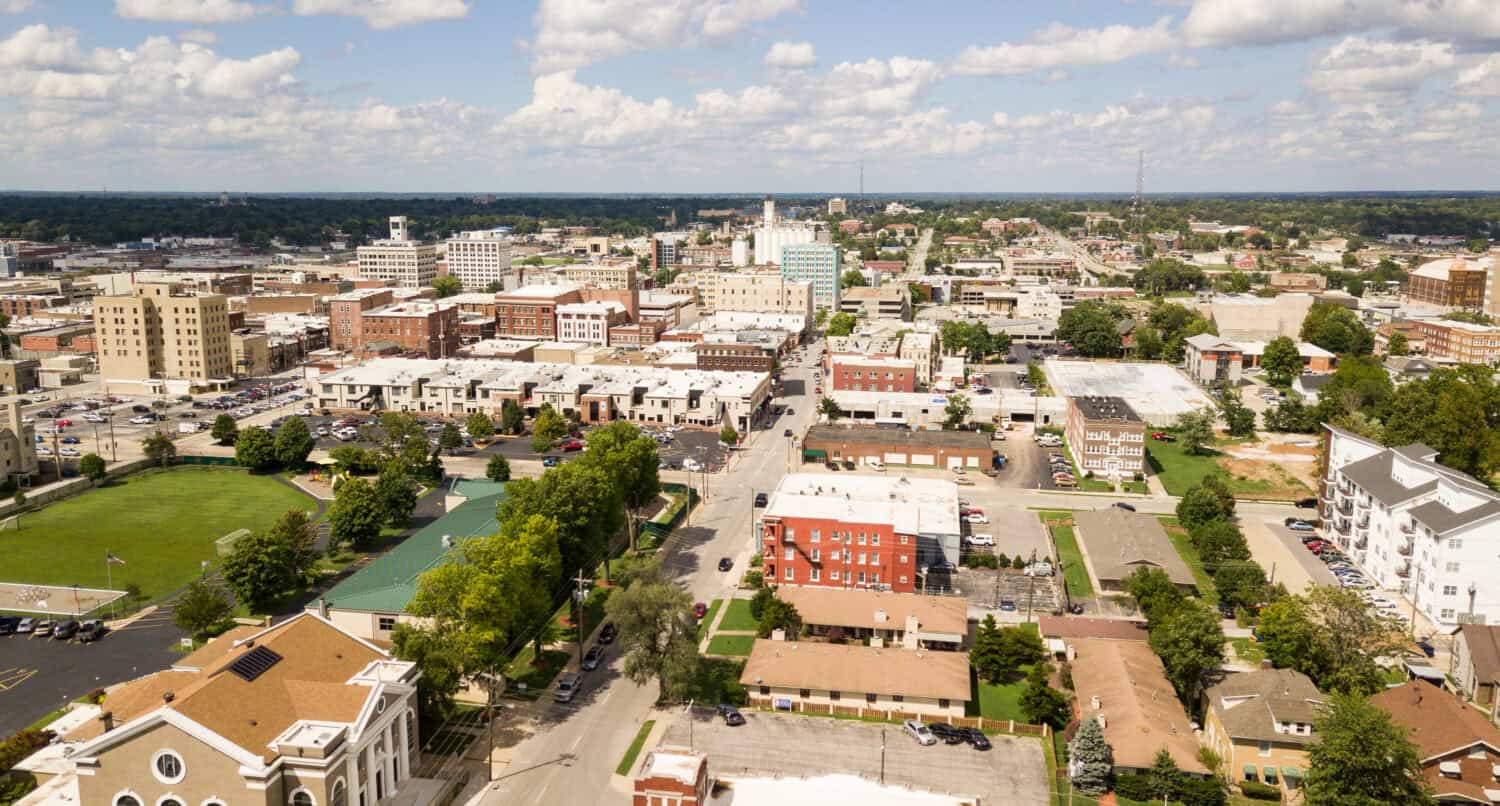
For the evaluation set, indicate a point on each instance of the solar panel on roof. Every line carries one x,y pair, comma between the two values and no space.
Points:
254,663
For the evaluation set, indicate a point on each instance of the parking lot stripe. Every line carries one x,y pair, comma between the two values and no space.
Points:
15,677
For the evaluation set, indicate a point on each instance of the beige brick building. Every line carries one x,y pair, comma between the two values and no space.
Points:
159,338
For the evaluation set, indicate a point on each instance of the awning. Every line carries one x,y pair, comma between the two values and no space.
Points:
1250,773
1270,775
1291,772
815,454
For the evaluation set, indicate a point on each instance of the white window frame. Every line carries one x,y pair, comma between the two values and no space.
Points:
126,793
291,800
181,766
178,799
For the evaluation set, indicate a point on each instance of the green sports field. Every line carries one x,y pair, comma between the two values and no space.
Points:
163,524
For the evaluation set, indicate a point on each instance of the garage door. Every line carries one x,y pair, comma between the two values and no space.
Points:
973,461
955,461
871,459
895,458
923,459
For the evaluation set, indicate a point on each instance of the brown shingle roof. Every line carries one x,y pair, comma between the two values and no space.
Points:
1119,542
1078,627
1142,713
211,652
1441,724
857,608
1484,649
858,669
1250,704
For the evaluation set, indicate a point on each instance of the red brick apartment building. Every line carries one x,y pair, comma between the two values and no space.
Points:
345,311
867,532
869,374
672,776
530,312
429,328
734,357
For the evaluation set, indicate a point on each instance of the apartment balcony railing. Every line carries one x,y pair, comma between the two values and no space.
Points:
1363,522
1404,549
1403,570
1326,511
1341,526
1363,502
1407,527
1362,543
1345,508
1346,488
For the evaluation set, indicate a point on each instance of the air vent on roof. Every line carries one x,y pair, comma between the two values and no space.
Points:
254,663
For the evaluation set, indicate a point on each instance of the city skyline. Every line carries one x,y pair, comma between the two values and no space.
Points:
671,96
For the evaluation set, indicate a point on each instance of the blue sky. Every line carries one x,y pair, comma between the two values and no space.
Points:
748,95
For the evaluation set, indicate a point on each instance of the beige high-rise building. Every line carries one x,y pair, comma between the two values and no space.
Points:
753,293
160,339
399,260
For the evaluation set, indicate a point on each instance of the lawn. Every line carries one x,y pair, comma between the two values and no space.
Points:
536,677
1247,650
1184,545
1179,470
708,618
1137,487
1075,575
634,750
998,701
737,617
163,524
739,645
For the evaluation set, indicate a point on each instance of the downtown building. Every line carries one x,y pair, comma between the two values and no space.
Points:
399,260
818,264
868,532
481,257
1414,525
161,339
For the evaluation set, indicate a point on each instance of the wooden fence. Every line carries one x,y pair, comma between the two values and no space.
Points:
764,703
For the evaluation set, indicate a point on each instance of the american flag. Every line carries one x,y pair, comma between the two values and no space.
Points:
111,559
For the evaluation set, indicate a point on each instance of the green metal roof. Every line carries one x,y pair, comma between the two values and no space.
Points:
476,488
388,584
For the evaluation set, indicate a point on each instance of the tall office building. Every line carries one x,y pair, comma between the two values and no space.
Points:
399,259
818,264
159,339
666,249
837,206
481,257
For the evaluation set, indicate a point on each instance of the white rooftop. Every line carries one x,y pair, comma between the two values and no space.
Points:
514,375
541,291
599,308
678,766
1157,392
910,505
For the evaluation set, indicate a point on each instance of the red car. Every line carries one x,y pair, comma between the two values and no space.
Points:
1316,546
1162,436
64,423
699,609
572,445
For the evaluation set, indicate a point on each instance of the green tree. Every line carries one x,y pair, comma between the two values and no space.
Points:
447,286
1149,345
224,429
356,515
841,324
293,443
512,419
159,448
779,614
1360,384
1090,327
397,495
1331,635
1164,775
957,412
852,279
1453,411
92,467
1190,643
1241,584
1092,758
1291,416
728,435
658,633
548,428
449,439
1397,344
440,661
1040,703
353,459
480,426
202,607
1195,430
1363,758
988,656
1205,502
1239,420
1019,647
261,568
1154,592
633,460
1281,361
583,498
498,469
1218,542
828,407
1336,329
255,449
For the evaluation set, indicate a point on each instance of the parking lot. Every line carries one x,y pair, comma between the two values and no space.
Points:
1013,771
1278,547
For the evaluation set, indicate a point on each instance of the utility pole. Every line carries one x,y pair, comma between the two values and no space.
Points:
882,756
110,418
489,756
1030,585
582,584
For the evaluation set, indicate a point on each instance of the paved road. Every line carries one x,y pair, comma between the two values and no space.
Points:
916,263
571,755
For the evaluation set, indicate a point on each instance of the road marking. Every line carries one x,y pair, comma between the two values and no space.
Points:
15,677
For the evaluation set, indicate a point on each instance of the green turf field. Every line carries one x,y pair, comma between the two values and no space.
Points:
163,524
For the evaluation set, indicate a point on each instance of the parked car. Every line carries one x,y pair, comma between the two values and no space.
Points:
8,624
918,731
43,627
1125,506
551,461
65,630
144,419
592,657
964,481
70,440
832,465
608,632
726,563
942,566
25,626
876,465
1307,503
91,631
1039,569
976,738
1162,436
981,540
567,687
730,714
572,445
948,733
977,517
699,610
787,433
1007,604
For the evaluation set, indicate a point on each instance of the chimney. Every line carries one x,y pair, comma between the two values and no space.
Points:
1094,701
1265,664
322,607
167,697
108,718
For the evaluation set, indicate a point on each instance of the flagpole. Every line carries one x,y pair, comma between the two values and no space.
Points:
109,577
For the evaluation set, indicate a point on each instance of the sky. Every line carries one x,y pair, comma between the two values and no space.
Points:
749,96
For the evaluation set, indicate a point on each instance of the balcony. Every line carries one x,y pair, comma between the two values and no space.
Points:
1341,526
1363,522
1346,508
1404,549
1346,488
1407,527
1403,570
1363,502
1326,512
1362,543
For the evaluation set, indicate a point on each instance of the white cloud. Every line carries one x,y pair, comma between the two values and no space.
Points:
1059,45
16,6
1221,23
201,12
1481,79
385,14
791,55
1357,69
573,33
199,36
1183,62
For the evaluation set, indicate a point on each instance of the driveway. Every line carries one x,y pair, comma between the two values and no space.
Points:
1275,546
1014,771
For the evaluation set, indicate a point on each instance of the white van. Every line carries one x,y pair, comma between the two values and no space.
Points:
876,465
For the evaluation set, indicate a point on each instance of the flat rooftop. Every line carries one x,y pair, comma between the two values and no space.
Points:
909,505
854,668
1156,392
1114,409
967,440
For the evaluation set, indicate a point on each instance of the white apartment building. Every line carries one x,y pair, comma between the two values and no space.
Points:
398,259
818,264
1415,526
838,206
588,322
480,257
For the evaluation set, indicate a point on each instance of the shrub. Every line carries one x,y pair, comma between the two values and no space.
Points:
1259,791
1002,561
1134,787
754,579
21,745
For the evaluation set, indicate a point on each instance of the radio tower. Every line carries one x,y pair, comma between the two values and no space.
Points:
861,186
1138,207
